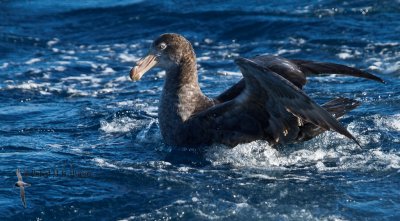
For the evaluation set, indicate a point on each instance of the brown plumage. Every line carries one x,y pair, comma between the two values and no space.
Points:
21,184
267,104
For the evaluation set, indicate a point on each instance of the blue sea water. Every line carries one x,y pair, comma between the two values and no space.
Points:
87,138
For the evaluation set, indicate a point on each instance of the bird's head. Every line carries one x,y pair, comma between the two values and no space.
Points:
167,51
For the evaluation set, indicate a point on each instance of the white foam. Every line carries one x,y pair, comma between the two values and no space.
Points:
262,176
102,57
119,45
344,55
184,169
83,78
120,125
105,91
297,41
145,137
108,70
103,163
4,65
30,85
44,93
63,62
391,68
203,58
287,51
67,57
391,122
124,57
77,92
161,74
90,63
396,124
60,68
107,49
70,52
124,78
35,70
254,154
386,64
373,68
329,151
32,61
230,73
226,46
128,103
53,42
55,146
391,160
384,57
159,164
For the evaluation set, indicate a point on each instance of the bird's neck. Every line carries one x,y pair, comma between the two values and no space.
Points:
183,77
181,99
181,91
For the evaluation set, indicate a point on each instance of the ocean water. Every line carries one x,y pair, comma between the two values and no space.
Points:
87,138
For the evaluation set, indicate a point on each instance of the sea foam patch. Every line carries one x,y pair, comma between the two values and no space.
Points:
120,125
29,85
32,61
328,151
103,163
392,122
125,57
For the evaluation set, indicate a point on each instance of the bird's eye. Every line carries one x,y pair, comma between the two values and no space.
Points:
162,46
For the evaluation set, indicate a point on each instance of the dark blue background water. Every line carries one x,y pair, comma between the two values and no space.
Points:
67,105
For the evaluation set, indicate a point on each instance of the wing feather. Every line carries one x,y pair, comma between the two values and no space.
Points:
269,103
287,95
19,175
296,70
316,68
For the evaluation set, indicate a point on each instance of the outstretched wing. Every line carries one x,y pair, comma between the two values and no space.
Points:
282,66
316,68
285,95
22,194
268,107
296,72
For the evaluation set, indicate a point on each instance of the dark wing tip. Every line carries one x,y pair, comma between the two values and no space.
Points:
373,77
342,130
312,67
356,141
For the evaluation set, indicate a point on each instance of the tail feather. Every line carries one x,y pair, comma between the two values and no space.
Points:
337,107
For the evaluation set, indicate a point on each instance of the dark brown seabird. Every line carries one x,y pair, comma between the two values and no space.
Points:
267,104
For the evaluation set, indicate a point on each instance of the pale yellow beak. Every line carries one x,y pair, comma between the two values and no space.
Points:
142,67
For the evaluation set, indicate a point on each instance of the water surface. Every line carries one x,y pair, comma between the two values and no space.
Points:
87,138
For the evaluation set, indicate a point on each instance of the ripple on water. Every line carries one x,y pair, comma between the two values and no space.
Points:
69,98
